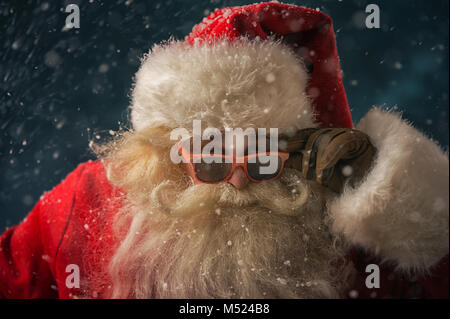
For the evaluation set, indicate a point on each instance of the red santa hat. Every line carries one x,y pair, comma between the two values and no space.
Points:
261,65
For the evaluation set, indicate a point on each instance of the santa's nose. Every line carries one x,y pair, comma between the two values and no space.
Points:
239,178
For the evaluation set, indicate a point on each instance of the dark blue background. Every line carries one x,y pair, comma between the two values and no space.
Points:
60,89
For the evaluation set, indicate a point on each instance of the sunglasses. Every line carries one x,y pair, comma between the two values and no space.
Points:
215,169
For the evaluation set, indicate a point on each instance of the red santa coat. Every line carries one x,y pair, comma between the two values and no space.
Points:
72,225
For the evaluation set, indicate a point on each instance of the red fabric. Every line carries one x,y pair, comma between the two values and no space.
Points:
69,225
72,224
309,33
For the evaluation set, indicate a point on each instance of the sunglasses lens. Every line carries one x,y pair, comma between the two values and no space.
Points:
265,169
212,172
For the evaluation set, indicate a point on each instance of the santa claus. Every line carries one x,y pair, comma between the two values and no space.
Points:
344,204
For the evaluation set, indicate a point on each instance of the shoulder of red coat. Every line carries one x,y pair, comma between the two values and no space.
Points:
93,188
71,182
85,190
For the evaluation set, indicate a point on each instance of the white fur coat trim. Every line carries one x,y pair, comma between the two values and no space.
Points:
401,210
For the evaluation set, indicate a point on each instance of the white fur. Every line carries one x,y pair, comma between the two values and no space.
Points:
401,210
241,84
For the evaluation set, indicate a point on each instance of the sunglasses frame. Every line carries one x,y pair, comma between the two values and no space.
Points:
284,156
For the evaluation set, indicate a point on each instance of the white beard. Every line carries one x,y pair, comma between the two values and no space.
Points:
269,240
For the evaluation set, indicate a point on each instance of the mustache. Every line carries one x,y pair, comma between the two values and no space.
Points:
285,196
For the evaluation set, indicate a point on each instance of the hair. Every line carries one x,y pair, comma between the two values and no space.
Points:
180,240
